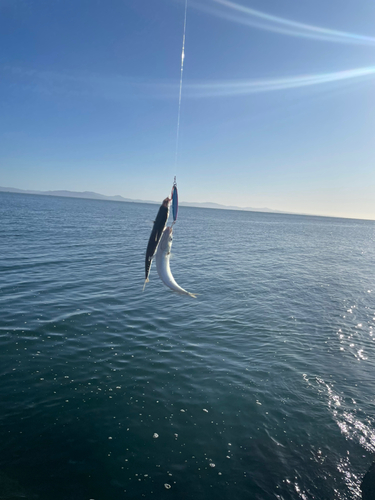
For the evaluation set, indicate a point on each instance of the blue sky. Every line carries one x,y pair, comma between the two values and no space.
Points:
277,106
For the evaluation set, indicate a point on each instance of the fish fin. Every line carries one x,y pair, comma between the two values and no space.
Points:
194,295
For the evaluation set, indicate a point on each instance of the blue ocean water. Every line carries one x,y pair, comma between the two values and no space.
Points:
261,388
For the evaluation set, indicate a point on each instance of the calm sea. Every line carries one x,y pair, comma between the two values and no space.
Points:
261,388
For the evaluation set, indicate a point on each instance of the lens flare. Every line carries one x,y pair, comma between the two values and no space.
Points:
268,22
243,87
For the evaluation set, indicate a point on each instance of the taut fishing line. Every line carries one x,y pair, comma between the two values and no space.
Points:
181,74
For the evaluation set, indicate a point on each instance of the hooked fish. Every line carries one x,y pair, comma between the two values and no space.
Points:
162,262
157,231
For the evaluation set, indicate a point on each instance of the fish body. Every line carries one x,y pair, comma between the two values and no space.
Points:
162,258
157,231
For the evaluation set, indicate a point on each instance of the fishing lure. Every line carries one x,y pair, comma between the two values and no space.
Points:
174,198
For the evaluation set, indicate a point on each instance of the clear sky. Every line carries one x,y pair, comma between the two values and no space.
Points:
277,108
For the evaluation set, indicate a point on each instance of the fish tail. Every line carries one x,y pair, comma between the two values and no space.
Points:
192,295
146,281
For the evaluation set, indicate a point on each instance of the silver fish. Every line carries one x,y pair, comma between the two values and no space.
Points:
162,262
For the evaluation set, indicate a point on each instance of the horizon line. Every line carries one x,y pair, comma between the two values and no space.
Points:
187,204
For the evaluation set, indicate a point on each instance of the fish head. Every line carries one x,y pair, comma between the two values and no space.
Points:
165,243
170,238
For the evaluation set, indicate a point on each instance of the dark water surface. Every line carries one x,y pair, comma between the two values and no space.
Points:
261,388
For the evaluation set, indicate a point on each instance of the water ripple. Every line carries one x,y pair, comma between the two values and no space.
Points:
261,388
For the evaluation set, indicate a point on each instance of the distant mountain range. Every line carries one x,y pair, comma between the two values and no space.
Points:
96,196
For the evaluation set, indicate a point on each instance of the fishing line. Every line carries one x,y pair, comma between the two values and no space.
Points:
181,74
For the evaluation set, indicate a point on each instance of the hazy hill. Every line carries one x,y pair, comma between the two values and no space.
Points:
96,196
